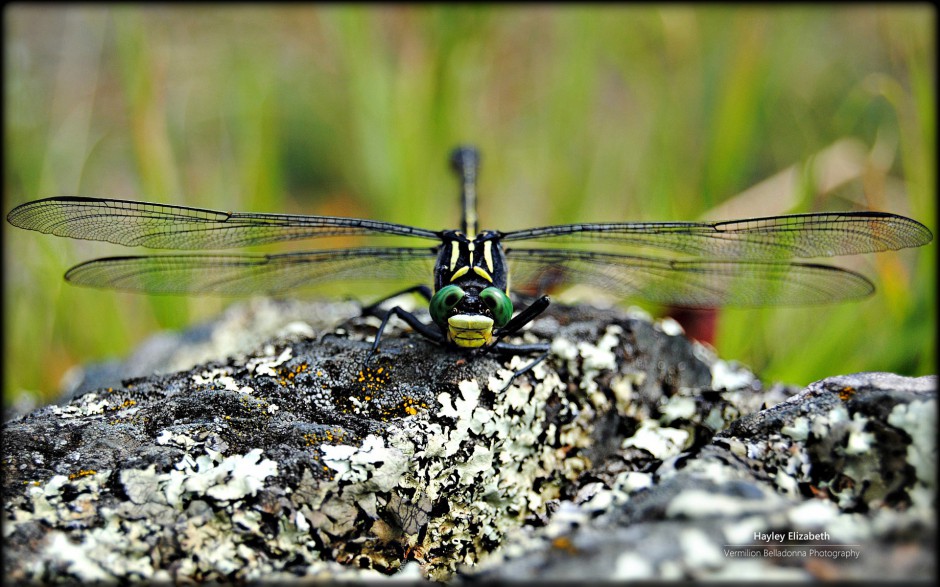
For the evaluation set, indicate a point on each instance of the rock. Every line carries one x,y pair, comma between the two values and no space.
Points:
835,483
629,453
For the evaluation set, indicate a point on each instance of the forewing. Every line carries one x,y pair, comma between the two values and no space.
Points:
163,226
770,238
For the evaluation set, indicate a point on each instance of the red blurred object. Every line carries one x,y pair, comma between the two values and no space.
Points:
698,323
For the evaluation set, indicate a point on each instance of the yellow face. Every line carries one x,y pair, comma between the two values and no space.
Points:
470,331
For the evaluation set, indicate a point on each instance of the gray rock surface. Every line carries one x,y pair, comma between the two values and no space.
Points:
629,453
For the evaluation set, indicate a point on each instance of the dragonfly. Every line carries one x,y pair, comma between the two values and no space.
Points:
746,262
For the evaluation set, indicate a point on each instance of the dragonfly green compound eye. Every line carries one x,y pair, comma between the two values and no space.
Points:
498,303
444,301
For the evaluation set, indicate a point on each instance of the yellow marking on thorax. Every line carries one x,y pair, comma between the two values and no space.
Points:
459,273
482,273
488,255
454,255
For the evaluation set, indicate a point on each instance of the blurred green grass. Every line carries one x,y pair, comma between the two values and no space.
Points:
596,113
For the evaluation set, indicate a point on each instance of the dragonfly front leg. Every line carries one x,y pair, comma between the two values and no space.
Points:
524,317
521,349
423,329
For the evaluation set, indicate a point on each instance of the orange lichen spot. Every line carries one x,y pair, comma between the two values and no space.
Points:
846,392
82,473
819,492
564,543
414,553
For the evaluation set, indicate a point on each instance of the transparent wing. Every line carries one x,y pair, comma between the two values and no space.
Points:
253,274
689,283
775,237
161,226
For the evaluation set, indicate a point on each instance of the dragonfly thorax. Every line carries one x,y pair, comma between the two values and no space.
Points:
461,259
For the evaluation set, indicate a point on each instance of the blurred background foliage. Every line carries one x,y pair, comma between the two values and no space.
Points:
599,113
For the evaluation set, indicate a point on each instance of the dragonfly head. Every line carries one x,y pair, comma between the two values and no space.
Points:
467,317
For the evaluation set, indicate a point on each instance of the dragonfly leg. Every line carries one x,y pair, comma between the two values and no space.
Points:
423,329
520,349
524,317
424,290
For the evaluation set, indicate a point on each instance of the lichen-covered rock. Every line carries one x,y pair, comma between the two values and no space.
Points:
787,493
629,452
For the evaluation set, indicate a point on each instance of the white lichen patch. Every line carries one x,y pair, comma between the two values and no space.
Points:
695,503
265,365
919,420
625,386
699,551
564,349
631,481
815,513
229,478
221,376
167,437
790,459
88,404
677,408
661,442
296,329
715,420
741,531
371,466
669,326
822,424
797,430
44,502
859,441
730,375
600,356
336,457
632,566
